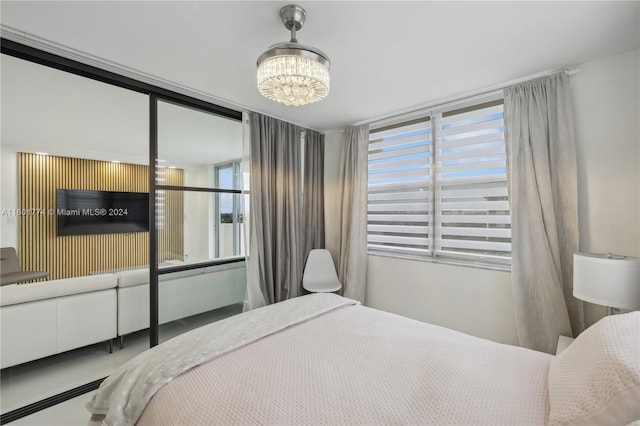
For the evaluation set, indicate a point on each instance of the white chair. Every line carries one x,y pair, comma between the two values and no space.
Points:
319,273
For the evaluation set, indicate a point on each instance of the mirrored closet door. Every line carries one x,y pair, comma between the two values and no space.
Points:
199,221
74,205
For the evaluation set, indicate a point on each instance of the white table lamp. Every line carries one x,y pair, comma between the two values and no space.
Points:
609,280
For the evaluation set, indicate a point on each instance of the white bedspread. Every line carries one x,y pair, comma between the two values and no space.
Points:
123,396
360,366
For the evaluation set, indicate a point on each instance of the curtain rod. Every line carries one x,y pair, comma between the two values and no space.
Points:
465,97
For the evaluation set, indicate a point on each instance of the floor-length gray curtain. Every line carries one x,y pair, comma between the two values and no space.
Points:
276,210
313,207
352,267
542,175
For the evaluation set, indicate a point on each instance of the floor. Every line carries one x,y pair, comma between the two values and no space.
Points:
68,413
36,380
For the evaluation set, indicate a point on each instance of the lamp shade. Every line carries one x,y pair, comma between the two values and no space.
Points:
607,280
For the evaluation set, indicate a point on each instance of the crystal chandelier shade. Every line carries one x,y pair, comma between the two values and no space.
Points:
291,73
293,80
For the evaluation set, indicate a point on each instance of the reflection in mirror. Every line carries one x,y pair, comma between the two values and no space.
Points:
198,143
196,297
65,132
196,226
199,150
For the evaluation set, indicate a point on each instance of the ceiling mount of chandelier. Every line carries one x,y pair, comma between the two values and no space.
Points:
292,73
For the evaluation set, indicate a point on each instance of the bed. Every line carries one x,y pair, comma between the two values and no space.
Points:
323,359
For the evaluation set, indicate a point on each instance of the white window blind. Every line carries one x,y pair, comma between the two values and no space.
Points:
472,208
438,187
399,206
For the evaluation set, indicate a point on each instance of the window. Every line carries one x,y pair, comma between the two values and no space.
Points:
398,212
438,187
229,240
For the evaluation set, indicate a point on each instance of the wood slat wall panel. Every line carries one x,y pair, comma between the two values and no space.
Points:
171,233
39,248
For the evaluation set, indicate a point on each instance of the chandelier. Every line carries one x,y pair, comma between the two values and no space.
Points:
292,73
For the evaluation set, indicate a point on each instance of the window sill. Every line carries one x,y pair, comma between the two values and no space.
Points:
447,261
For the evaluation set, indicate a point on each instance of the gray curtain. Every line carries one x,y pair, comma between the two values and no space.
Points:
276,207
313,203
542,175
352,267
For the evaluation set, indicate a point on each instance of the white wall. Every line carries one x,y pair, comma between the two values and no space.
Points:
471,300
606,98
606,105
8,197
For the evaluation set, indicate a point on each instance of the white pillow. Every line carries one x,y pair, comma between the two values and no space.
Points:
596,380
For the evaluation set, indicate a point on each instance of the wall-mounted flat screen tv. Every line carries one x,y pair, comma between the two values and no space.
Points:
80,212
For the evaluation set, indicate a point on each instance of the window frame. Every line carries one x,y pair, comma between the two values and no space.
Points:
434,115
236,171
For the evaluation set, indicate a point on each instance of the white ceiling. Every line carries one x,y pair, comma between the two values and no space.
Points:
386,56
